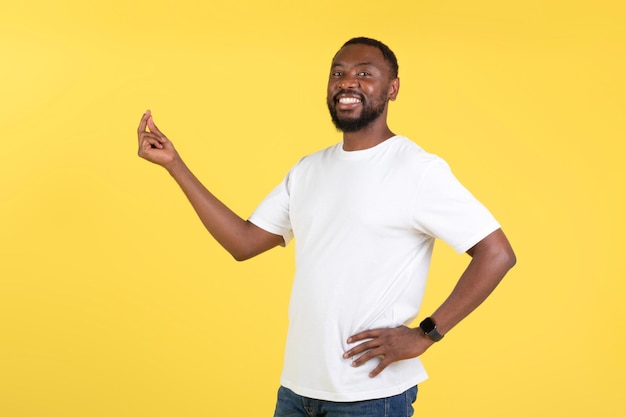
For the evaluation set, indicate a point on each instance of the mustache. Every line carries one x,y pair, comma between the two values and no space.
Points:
348,92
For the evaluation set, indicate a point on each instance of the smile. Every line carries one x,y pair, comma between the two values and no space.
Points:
349,100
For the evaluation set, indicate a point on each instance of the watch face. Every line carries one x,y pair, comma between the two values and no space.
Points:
428,325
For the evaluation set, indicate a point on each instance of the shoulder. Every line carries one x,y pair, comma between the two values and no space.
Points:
318,156
404,151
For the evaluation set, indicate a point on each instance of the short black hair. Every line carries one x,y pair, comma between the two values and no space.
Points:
388,54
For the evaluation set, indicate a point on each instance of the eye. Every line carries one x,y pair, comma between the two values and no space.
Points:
363,74
336,74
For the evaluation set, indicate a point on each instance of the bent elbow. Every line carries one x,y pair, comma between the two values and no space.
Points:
497,246
244,253
241,256
508,258
512,259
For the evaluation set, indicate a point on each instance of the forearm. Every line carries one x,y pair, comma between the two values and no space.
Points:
491,260
238,236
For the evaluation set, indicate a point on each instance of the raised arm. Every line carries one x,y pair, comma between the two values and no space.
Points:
240,238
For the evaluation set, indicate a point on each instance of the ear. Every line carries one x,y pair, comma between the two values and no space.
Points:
394,88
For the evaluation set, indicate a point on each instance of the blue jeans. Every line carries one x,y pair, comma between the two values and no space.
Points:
290,404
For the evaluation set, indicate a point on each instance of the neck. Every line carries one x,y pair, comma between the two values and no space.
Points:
366,138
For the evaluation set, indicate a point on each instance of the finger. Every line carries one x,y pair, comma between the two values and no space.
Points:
372,351
155,135
161,139
148,147
153,127
365,351
381,366
144,122
363,347
148,141
367,334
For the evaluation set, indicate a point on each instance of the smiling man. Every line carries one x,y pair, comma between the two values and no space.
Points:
348,106
365,213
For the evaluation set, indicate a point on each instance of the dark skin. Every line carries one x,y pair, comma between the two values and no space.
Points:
361,69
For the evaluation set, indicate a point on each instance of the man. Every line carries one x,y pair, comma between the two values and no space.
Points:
365,213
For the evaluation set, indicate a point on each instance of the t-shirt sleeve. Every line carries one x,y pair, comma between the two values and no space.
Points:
445,209
272,215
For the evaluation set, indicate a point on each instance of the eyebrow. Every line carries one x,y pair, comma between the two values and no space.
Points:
360,64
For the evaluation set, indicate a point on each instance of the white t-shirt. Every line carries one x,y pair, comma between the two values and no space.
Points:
364,223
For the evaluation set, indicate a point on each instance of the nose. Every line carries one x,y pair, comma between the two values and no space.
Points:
348,81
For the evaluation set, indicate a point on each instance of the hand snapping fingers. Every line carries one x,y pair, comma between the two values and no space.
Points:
154,146
150,141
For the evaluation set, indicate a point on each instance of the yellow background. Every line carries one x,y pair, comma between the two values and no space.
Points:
115,302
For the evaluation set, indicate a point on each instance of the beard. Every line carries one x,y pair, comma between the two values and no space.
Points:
369,113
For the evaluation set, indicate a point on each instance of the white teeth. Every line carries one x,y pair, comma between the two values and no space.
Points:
349,100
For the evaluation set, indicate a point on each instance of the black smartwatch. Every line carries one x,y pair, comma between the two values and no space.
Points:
429,328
